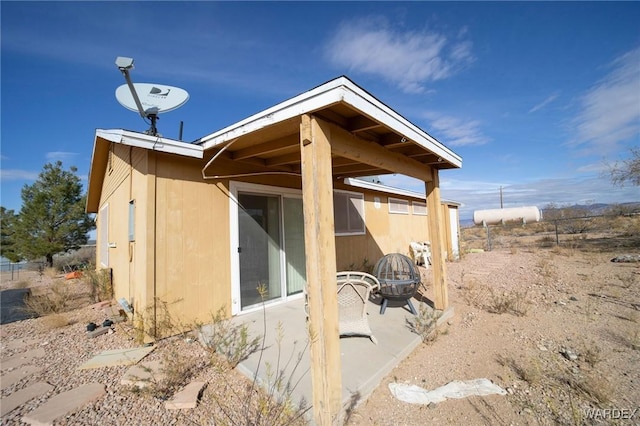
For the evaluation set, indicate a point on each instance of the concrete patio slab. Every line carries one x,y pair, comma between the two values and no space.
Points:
364,364
116,357
186,398
20,359
16,399
64,403
18,374
143,374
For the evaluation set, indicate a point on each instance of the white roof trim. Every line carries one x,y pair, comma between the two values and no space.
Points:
358,183
338,90
154,143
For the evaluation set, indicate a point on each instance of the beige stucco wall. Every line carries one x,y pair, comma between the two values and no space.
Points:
385,233
181,254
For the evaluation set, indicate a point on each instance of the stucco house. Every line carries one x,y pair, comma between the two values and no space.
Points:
270,200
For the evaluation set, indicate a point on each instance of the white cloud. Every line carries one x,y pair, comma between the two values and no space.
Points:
454,131
544,103
13,174
610,111
408,59
60,156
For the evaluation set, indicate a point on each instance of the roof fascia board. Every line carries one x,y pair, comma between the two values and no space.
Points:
154,143
361,100
337,90
390,190
303,104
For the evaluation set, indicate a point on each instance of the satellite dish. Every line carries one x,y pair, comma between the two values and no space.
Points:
154,98
148,99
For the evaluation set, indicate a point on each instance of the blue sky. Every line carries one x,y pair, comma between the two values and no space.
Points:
535,97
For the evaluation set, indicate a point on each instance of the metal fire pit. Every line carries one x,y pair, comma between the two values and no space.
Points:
399,279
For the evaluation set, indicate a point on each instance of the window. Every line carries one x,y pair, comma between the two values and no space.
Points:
132,215
348,213
103,218
419,208
399,206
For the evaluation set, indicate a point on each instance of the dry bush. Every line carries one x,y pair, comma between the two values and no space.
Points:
512,302
57,299
50,272
157,322
530,371
425,324
546,241
100,283
473,293
53,321
21,284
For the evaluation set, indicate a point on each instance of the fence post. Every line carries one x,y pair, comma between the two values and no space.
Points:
555,222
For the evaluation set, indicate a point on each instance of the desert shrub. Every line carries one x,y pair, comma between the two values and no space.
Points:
425,324
53,321
56,300
232,341
99,282
157,321
22,284
512,302
546,241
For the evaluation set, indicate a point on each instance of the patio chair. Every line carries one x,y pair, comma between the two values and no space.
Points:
421,252
354,289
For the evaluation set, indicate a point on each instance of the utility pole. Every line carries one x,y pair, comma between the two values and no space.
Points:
501,197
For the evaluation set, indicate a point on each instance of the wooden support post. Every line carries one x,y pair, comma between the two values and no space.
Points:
438,267
317,197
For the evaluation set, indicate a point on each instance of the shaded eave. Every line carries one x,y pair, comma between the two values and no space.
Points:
270,139
100,156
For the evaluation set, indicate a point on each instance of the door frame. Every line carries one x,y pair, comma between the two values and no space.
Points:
234,188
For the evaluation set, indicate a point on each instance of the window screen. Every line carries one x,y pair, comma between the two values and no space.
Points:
419,208
348,213
397,205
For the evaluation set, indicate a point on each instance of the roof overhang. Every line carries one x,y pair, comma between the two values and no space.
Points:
271,138
100,156
154,143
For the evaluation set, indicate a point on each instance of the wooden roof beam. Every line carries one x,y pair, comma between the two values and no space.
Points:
267,147
292,158
350,146
361,123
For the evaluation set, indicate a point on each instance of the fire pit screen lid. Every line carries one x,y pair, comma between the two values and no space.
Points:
396,268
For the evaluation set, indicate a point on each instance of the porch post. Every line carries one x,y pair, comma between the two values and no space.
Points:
317,198
438,267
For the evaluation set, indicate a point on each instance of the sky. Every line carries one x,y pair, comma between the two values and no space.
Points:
538,99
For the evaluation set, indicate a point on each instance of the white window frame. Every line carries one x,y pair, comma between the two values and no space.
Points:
352,195
391,201
420,204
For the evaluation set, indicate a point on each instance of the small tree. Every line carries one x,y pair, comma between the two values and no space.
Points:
52,219
7,235
627,170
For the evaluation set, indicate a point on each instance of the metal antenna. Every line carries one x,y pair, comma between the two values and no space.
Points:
124,65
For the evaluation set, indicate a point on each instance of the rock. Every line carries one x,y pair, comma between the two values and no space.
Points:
573,298
627,258
569,354
542,348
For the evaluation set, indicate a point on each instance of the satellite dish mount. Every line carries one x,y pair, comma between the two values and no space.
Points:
156,98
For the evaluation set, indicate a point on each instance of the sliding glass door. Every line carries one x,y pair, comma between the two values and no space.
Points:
270,247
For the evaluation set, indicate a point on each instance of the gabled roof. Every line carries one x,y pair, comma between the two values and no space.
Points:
100,155
271,136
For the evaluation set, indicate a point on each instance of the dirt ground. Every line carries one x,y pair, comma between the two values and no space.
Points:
558,328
